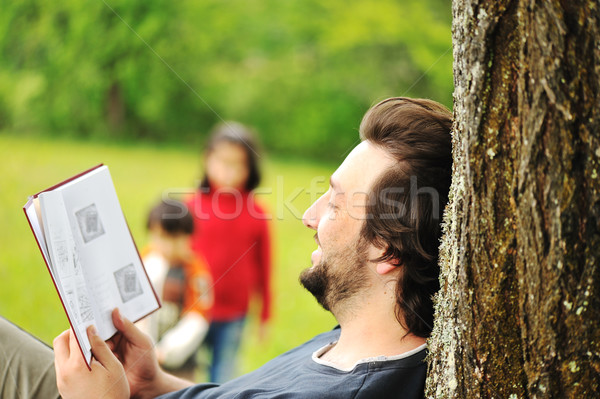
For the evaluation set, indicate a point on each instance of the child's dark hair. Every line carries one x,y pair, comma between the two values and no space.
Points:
172,216
235,133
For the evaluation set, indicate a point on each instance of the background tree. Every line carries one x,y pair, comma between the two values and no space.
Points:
301,72
518,315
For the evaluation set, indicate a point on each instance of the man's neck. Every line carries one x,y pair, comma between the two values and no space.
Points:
370,333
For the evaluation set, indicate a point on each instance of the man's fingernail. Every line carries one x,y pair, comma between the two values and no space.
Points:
93,330
119,317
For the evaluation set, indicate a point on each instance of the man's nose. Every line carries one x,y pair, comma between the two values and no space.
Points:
310,217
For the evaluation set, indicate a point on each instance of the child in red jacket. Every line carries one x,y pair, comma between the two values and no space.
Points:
231,232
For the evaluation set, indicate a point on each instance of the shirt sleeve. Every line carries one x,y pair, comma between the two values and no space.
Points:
181,341
156,268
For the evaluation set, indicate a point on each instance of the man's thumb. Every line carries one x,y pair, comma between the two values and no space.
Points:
128,329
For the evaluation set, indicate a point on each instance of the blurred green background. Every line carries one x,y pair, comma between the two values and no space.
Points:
137,85
301,72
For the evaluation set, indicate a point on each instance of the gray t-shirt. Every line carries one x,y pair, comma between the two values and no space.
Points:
296,374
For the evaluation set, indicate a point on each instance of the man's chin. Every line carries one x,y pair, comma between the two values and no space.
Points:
315,282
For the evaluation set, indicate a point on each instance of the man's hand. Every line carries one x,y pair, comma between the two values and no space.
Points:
74,380
136,352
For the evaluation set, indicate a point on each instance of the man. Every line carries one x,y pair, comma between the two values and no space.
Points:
375,268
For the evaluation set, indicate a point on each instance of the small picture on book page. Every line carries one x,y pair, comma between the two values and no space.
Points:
128,283
89,222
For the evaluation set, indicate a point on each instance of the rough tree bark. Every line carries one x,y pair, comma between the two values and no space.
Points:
518,315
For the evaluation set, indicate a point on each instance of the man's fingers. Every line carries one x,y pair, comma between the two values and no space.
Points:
114,344
130,332
114,341
61,347
73,345
74,350
100,349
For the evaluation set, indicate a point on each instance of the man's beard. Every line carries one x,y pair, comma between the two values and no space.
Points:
338,276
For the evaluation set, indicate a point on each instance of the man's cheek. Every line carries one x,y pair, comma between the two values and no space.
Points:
357,206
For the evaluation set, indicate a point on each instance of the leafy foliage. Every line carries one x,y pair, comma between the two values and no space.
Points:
301,73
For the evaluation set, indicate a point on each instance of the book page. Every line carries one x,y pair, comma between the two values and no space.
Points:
66,268
109,259
32,210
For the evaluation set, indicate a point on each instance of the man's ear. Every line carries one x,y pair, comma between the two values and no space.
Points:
387,267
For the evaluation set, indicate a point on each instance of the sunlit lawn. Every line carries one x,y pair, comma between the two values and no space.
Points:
141,173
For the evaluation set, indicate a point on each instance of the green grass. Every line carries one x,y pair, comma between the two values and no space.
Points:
141,173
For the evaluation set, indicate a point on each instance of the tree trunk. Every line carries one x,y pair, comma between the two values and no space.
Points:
115,107
518,315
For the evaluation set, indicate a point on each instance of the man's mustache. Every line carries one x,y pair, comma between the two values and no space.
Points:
317,239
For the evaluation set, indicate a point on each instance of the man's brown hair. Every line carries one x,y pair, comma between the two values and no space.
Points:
408,200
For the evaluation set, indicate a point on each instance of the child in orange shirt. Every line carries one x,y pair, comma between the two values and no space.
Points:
184,283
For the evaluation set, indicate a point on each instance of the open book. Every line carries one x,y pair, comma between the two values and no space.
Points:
91,256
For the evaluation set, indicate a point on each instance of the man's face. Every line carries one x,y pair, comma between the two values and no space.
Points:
339,264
